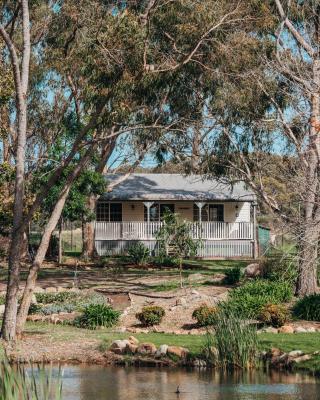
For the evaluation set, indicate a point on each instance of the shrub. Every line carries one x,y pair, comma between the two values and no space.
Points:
249,299
279,269
204,315
34,309
60,297
96,315
57,308
275,315
233,275
151,315
308,308
139,254
165,261
236,341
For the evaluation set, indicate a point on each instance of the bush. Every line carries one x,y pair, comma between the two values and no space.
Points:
96,315
308,308
34,309
249,299
151,315
165,261
235,340
60,297
275,315
139,254
204,315
279,269
233,275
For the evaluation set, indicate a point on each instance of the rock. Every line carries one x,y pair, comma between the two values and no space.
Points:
146,348
38,289
252,270
34,299
177,351
181,302
118,346
300,329
195,292
305,357
133,340
199,363
141,330
50,289
2,308
270,329
275,352
163,349
295,353
311,329
131,348
286,329
60,289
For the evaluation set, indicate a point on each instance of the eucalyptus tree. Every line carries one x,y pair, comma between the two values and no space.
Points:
123,68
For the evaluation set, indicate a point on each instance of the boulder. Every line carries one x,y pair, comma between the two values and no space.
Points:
270,329
163,349
133,340
146,348
311,329
199,363
275,352
305,357
300,329
177,351
131,348
252,270
295,353
38,289
286,329
118,346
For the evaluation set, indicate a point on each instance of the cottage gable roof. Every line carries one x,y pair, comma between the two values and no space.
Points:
175,187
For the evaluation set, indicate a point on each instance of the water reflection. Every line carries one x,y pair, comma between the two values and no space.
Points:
115,383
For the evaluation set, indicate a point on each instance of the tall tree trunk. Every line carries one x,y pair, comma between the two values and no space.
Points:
41,252
309,239
21,79
88,247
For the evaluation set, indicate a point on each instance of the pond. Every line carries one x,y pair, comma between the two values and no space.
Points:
115,383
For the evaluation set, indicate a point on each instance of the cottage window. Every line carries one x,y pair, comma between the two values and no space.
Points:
109,212
210,212
157,211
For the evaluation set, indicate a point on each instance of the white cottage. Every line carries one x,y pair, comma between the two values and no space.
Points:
222,215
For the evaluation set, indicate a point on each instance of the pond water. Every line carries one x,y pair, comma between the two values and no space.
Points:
115,383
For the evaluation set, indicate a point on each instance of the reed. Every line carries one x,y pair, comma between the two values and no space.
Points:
20,383
236,341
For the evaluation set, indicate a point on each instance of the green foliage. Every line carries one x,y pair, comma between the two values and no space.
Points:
233,276
308,308
139,254
49,298
236,341
16,383
249,299
97,315
165,261
205,315
280,269
275,315
2,300
34,309
151,315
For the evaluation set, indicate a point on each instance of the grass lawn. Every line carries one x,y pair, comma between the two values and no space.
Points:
306,342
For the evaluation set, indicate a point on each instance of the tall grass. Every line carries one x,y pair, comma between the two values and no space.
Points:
17,383
236,341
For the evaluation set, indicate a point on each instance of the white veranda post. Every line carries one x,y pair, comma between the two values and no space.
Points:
200,205
148,204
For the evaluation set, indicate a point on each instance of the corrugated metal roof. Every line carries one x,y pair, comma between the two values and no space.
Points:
175,187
